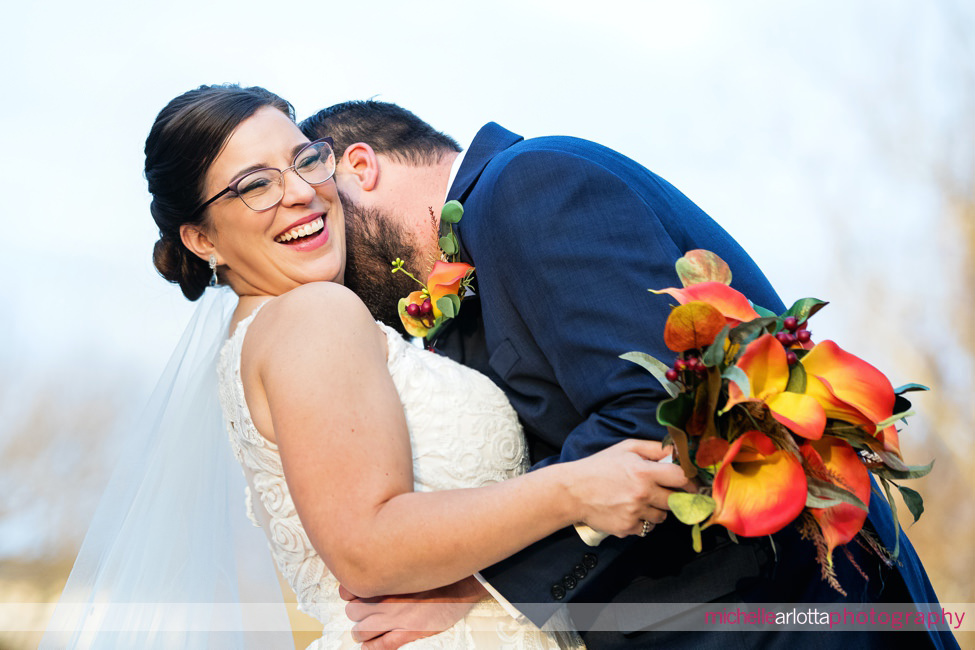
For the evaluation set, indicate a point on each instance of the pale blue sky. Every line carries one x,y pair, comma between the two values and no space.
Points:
805,128
747,107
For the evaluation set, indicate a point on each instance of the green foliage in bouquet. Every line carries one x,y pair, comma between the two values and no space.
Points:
776,428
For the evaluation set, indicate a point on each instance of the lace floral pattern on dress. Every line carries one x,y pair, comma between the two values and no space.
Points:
481,443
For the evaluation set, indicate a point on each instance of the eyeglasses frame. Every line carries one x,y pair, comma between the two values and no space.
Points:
232,186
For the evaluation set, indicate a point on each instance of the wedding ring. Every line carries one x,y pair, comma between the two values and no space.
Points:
646,528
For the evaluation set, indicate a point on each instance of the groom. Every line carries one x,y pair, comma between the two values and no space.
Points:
567,236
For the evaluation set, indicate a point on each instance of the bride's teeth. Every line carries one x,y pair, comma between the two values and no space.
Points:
301,231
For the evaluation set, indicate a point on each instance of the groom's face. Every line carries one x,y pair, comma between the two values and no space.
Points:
374,238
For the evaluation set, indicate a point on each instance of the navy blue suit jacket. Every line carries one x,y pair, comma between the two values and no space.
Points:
567,237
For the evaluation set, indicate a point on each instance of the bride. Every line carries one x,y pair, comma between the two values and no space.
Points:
369,462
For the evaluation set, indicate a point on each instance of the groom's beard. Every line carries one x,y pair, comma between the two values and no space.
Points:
373,240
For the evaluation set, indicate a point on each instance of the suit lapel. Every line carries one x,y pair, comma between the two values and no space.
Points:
491,140
463,333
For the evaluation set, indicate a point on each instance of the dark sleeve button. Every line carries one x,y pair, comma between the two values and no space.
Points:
589,560
580,571
569,581
558,592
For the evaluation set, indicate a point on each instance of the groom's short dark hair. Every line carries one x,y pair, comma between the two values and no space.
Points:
387,128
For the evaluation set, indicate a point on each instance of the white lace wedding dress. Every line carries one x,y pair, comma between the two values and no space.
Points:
480,443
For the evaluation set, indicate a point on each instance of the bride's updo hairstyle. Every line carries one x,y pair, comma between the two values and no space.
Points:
187,136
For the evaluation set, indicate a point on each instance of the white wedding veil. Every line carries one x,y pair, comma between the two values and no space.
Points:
170,559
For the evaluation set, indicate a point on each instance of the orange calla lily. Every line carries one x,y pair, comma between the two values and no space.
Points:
445,278
732,304
764,362
850,389
414,325
800,414
840,462
758,489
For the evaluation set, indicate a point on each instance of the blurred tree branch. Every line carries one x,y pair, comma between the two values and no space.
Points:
917,115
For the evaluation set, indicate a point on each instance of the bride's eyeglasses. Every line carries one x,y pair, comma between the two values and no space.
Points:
262,189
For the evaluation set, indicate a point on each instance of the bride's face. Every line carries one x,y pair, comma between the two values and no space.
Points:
252,245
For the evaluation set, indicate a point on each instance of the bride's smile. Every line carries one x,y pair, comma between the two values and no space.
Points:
298,235
279,223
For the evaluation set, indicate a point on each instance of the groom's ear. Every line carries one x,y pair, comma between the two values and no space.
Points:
360,165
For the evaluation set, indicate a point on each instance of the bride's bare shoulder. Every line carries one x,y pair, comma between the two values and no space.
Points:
317,299
314,309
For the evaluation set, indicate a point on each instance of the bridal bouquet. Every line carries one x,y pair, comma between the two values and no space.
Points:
776,428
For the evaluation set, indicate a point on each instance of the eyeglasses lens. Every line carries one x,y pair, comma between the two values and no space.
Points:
264,188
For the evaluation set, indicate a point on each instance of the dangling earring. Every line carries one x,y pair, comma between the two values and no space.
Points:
213,267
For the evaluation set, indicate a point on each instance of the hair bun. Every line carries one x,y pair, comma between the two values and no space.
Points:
178,265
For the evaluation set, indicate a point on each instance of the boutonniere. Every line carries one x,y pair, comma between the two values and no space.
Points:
424,311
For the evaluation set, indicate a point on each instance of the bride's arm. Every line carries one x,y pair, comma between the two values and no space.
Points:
342,435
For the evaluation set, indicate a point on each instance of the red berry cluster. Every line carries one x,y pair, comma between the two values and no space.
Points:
790,335
689,364
421,310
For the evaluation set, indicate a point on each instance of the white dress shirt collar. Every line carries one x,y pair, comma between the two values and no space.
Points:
454,168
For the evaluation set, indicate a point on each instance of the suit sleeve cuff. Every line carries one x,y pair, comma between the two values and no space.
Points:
508,607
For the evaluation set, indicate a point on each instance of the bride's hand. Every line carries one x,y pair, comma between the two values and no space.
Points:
388,622
620,487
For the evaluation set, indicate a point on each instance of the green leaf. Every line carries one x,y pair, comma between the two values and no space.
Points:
452,212
691,508
432,332
675,411
804,308
714,354
907,388
737,375
797,379
859,439
748,332
448,244
894,418
821,489
908,471
655,368
890,459
893,512
762,311
700,265
449,305
707,478
913,500
696,538
454,298
820,502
